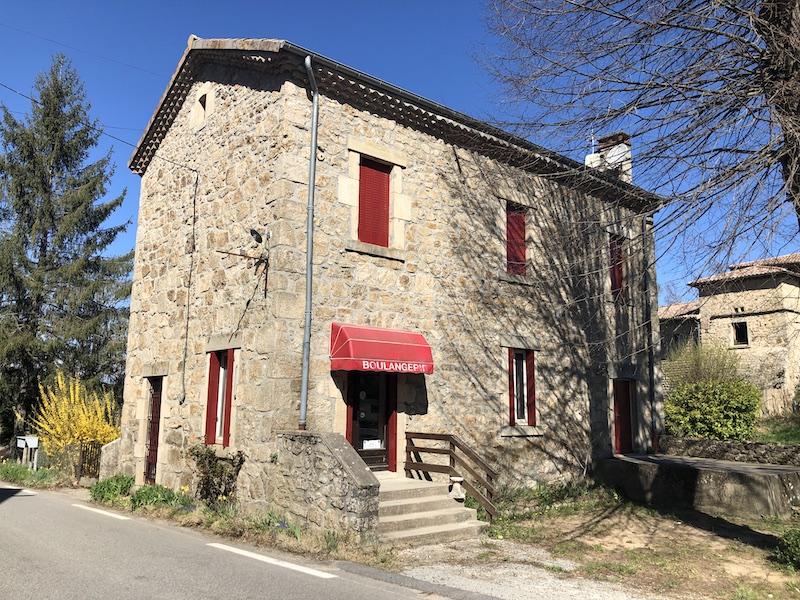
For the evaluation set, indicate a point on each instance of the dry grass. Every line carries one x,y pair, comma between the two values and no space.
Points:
678,555
266,530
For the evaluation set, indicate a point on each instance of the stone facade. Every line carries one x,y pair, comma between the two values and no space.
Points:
443,273
766,298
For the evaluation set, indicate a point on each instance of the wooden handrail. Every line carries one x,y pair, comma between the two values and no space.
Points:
474,456
478,477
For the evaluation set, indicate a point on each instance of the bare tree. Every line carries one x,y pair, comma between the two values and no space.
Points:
709,91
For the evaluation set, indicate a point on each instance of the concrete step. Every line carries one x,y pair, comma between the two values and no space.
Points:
455,514
436,534
390,508
394,489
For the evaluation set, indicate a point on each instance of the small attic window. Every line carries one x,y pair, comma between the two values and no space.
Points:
740,335
200,110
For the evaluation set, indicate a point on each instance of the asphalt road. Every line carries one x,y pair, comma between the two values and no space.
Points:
53,546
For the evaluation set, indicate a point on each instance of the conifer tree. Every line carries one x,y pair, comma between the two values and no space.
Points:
63,297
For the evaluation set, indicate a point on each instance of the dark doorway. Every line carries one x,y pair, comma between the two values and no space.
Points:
372,418
153,421
623,438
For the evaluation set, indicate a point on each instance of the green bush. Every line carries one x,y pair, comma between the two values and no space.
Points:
788,550
216,476
717,410
694,363
110,489
159,496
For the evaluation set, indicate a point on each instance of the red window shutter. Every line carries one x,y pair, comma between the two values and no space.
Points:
211,406
373,203
617,258
226,425
530,372
515,239
512,418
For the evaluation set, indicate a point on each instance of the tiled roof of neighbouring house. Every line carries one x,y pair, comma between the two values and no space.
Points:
679,310
342,82
788,264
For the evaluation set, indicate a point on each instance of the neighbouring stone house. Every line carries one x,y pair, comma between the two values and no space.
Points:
753,309
466,281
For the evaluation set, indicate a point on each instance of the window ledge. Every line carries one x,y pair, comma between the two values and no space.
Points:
373,250
220,451
523,431
518,279
740,346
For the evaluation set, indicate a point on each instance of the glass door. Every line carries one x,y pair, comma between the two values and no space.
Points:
367,399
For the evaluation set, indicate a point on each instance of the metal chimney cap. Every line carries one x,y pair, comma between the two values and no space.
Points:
614,139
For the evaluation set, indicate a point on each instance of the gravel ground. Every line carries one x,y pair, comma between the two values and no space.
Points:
519,581
507,570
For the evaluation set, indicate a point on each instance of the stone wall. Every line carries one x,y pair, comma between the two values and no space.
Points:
753,452
744,491
319,481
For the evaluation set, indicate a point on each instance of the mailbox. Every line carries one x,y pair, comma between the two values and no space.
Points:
29,444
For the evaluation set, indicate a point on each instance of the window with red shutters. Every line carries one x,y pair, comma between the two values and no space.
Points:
220,397
521,387
617,267
515,239
373,202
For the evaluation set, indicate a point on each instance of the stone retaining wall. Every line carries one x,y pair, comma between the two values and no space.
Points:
754,452
319,481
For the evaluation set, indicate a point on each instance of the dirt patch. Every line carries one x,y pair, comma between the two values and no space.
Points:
622,551
674,555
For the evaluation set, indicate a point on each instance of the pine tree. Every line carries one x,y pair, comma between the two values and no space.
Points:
63,298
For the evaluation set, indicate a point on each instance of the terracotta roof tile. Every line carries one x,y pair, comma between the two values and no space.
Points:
679,309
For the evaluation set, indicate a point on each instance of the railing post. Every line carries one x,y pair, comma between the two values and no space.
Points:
452,456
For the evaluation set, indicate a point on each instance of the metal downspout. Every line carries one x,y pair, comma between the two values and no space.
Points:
312,176
648,320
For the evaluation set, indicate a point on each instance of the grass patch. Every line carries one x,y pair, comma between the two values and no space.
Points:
608,568
564,498
13,472
226,518
158,496
112,490
779,430
744,592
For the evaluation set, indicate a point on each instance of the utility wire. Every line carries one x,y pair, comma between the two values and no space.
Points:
88,124
27,114
100,130
100,56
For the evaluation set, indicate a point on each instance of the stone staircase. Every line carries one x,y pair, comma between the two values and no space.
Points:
414,513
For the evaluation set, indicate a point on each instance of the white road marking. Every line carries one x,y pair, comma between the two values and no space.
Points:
102,512
275,561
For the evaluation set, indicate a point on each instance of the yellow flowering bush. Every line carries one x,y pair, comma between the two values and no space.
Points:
69,415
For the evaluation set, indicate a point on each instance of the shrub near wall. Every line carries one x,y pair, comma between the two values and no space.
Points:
718,410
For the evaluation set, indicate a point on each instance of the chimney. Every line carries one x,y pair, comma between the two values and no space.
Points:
613,154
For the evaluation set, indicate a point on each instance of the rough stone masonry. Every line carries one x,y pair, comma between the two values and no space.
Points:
227,151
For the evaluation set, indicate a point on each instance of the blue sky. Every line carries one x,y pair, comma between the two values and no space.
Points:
126,52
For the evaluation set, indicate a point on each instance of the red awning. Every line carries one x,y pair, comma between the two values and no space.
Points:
361,348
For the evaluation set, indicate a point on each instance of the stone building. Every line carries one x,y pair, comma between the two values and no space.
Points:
466,281
753,309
